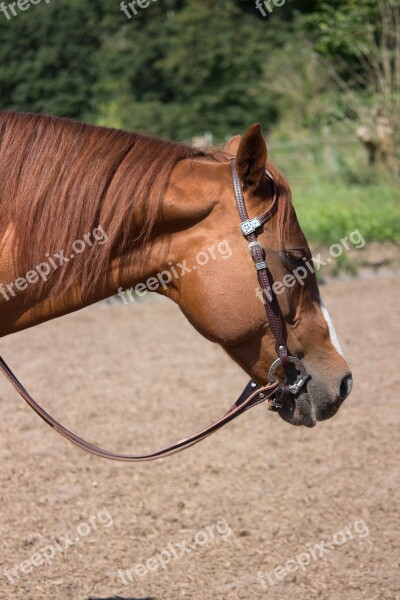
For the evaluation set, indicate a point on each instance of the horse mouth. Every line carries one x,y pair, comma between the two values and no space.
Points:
299,410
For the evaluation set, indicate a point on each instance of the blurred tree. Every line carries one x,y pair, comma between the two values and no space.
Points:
363,59
301,83
47,60
182,68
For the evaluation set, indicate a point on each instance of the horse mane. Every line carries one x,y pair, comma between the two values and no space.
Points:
60,179
285,214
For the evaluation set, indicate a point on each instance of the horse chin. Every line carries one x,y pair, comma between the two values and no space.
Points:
299,410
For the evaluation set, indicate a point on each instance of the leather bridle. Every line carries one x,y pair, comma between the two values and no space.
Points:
249,228
276,393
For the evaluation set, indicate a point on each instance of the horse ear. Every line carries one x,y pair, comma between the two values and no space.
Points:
251,157
232,145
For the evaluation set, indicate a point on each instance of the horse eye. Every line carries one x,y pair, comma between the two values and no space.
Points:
295,256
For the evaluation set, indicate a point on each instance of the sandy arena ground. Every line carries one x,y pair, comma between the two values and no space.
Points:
133,378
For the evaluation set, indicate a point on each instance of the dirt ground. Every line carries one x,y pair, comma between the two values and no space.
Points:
255,497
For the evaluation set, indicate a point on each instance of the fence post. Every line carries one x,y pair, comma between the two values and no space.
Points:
329,156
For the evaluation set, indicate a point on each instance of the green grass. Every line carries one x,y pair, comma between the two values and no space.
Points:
329,210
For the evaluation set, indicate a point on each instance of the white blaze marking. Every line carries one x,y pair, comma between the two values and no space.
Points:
331,327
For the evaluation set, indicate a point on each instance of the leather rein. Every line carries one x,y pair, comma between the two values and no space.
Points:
274,392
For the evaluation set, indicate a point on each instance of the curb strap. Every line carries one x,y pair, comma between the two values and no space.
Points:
249,228
252,394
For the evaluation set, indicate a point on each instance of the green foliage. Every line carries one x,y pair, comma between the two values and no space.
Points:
176,69
179,68
47,60
341,27
178,73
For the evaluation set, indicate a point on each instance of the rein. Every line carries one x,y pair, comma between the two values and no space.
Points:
252,394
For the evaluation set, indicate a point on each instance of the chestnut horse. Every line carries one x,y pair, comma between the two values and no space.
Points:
158,204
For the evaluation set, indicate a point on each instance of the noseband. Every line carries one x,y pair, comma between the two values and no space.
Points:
276,393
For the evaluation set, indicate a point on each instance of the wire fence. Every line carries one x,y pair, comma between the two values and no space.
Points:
323,157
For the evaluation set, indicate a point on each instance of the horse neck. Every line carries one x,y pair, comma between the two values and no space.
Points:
183,207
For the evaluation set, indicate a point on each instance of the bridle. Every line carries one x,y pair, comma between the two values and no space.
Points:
249,228
275,392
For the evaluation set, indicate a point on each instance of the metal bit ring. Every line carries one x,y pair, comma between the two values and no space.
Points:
303,373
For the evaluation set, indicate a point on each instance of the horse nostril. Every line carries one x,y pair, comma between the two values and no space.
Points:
345,386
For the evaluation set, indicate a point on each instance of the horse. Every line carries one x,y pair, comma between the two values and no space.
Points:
139,206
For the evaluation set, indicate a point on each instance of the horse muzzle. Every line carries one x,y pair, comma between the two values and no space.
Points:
292,400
